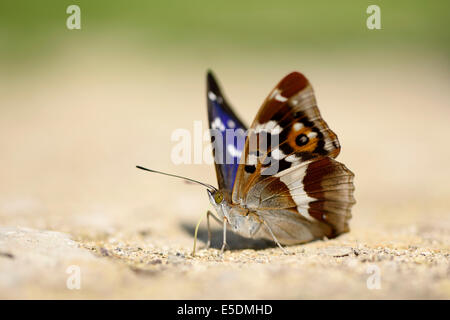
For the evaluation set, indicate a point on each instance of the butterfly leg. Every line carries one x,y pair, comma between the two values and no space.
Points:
208,214
275,238
224,235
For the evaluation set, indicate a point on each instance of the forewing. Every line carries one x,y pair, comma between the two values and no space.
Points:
287,131
227,135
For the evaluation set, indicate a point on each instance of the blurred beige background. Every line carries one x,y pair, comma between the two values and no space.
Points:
79,109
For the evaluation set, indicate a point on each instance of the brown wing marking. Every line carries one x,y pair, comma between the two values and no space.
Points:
289,117
320,192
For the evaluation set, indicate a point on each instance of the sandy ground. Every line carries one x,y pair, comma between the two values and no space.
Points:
70,195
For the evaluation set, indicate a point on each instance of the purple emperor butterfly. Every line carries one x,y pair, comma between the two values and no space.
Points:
277,180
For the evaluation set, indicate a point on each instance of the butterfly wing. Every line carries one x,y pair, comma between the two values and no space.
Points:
317,194
295,171
227,136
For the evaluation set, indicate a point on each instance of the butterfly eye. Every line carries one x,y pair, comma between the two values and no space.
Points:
218,197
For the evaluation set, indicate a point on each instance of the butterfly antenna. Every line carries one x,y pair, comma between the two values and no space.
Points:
210,187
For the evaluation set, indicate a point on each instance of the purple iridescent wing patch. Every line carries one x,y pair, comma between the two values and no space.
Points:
227,135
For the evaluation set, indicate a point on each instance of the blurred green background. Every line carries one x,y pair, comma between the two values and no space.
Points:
31,29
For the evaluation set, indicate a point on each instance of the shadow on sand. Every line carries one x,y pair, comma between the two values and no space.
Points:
234,241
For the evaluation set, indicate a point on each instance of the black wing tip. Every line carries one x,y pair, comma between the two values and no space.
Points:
212,82
210,75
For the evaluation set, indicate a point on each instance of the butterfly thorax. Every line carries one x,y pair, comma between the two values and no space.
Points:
241,219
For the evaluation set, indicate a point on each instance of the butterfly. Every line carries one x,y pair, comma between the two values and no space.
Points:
277,179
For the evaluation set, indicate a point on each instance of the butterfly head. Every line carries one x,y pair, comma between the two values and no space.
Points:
215,197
